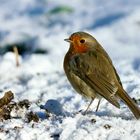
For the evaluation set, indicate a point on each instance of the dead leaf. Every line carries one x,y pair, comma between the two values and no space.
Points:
6,99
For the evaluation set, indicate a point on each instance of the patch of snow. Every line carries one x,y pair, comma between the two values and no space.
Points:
41,79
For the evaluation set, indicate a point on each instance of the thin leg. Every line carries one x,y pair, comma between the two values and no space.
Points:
89,105
98,105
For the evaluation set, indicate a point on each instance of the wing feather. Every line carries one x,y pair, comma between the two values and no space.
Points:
96,71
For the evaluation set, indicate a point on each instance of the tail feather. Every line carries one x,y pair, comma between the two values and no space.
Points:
130,103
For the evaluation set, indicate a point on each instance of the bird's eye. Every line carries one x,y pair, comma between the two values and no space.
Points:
82,41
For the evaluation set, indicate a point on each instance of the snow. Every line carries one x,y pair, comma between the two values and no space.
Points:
41,79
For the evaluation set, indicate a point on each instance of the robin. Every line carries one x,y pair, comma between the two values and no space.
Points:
90,71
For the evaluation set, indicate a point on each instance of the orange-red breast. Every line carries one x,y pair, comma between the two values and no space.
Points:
92,74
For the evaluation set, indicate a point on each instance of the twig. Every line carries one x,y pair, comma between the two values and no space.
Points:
15,49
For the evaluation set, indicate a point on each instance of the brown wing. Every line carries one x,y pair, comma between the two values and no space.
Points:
101,50
96,71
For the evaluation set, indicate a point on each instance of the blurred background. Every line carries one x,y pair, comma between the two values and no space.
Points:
40,26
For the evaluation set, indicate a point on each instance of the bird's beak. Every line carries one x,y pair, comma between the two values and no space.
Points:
68,40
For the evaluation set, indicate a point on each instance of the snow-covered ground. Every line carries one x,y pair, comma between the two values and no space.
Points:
40,77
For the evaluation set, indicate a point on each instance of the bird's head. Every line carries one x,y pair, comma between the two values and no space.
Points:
81,42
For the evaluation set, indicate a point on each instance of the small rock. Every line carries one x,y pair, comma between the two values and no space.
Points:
55,136
107,126
93,120
24,103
